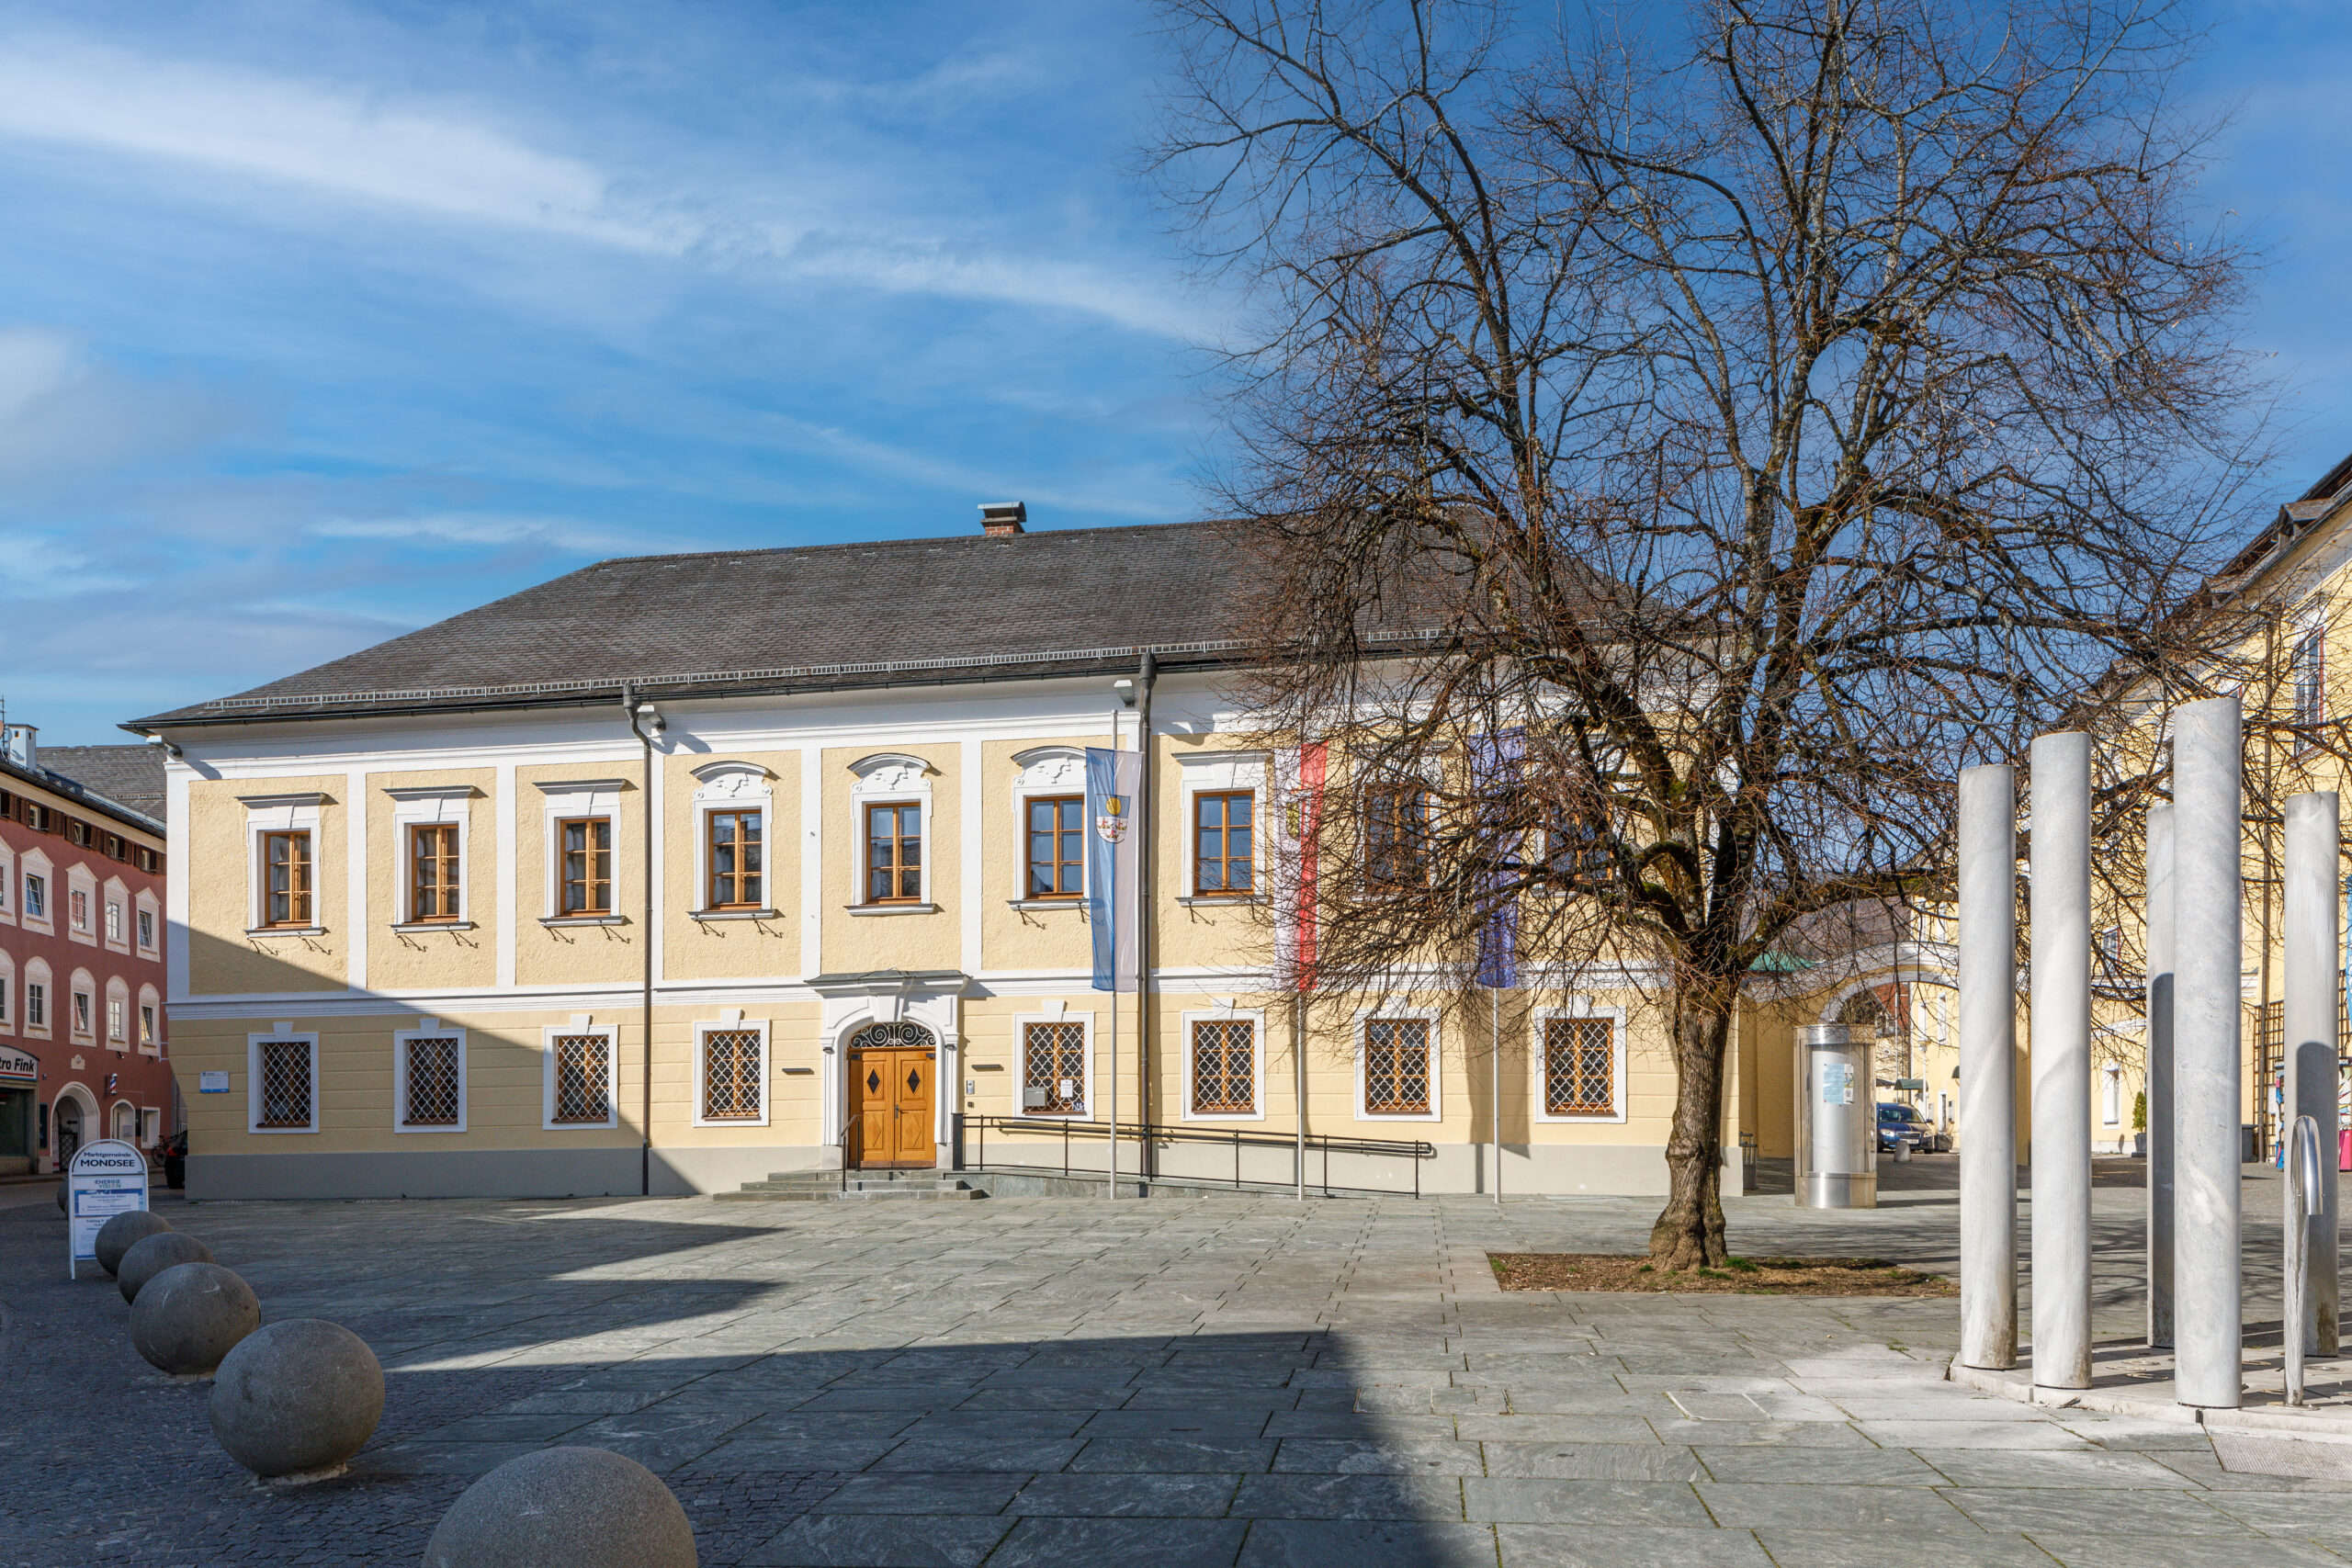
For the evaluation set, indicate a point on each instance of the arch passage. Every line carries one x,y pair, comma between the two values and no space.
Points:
891,1070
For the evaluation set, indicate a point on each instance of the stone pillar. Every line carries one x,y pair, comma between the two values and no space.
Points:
1988,1054
2158,879
2312,957
2208,1332
2060,1053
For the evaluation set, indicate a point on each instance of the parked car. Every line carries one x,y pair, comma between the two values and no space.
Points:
1901,1123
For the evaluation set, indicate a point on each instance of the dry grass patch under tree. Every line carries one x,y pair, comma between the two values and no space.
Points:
1737,1276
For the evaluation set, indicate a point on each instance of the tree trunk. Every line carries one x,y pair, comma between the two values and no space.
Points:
1689,1232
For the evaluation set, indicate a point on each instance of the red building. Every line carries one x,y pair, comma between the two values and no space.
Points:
83,1031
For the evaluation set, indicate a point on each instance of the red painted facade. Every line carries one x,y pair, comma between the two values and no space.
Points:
82,972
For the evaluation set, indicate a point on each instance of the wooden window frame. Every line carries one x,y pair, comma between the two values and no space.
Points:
1030,863
299,900
447,854
596,892
1426,1108
1557,1028
898,870
1396,844
1225,861
737,880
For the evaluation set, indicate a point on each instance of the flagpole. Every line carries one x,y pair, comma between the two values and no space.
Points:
1111,911
1298,1060
1494,1035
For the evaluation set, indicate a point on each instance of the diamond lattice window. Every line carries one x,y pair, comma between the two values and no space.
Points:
432,1082
1580,1067
1052,1068
1396,1066
286,1087
1225,1056
730,1075
582,1077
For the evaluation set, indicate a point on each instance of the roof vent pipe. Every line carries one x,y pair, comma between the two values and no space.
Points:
1001,519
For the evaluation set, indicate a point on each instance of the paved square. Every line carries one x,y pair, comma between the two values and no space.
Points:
1211,1381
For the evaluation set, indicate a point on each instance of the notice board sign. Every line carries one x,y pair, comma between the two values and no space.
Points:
106,1177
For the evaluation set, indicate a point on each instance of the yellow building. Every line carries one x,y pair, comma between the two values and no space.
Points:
431,947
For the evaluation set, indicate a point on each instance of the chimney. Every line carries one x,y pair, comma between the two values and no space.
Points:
1002,519
21,744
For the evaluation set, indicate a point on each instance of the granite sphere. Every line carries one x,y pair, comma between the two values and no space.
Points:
150,1256
117,1235
296,1397
565,1508
191,1315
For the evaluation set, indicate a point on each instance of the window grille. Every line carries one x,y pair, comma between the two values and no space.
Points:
581,1064
1396,1066
1225,1078
433,1081
1052,1068
731,1074
1579,1067
286,1087
893,1037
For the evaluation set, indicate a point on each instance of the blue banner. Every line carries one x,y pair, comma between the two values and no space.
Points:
1112,781
1494,771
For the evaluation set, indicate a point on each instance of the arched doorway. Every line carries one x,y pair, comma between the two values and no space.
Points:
66,1126
892,1066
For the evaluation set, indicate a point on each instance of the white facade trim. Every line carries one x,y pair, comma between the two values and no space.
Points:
703,1030
1225,1013
726,785
510,908
448,806
1580,1007
890,778
572,801
969,859
1363,1018
426,1029
254,1082
1021,1022
281,814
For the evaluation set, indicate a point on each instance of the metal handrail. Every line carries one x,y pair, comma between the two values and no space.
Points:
1415,1149
849,1125
2303,1202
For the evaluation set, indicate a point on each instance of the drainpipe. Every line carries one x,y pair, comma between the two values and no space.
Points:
1147,673
645,938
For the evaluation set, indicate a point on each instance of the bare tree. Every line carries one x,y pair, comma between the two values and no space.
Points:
1670,458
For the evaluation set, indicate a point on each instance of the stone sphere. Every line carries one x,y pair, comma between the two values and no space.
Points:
297,1396
564,1508
117,1235
150,1256
191,1315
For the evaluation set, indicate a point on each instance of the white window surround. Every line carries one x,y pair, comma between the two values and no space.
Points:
612,1078
733,786
1436,1113
36,914
2111,1096
7,885
420,805
426,1029
568,799
8,994
37,973
1044,770
118,1017
703,1030
147,903
281,814
1021,1022
1222,773
890,778
82,1004
1578,1008
150,1125
149,1045
253,1083
82,880
1256,1018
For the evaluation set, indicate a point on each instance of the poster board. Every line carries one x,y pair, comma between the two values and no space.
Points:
107,1179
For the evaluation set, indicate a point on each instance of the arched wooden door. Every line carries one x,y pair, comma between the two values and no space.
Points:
890,1097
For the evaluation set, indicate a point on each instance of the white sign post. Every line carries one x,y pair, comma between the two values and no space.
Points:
108,1178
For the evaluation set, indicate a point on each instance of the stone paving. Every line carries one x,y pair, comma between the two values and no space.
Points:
1173,1381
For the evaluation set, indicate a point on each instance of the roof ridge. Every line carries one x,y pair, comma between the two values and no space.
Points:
890,544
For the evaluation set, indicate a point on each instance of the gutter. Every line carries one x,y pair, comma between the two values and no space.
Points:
1146,672
645,810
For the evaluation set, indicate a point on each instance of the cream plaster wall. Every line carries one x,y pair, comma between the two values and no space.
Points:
857,944
433,959
572,955
218,867
729,949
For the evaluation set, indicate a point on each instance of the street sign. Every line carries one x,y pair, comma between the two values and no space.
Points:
106,1177
18,1066
211,1083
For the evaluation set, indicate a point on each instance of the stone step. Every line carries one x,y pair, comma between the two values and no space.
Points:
819,1186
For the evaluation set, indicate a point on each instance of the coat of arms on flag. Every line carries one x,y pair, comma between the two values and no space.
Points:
1113,819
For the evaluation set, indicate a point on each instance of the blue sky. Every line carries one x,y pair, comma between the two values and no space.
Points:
319,321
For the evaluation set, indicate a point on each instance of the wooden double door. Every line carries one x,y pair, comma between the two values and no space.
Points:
890,1100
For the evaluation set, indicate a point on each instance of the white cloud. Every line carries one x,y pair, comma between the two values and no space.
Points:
62,413
443,159
494,531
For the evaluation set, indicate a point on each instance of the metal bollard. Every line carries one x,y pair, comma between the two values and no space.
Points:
2301,1206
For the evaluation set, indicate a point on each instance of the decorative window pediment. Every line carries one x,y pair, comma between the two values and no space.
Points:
1051,770
731,780
891,773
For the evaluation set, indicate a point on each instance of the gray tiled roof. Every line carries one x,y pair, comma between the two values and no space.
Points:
128,775
895,611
